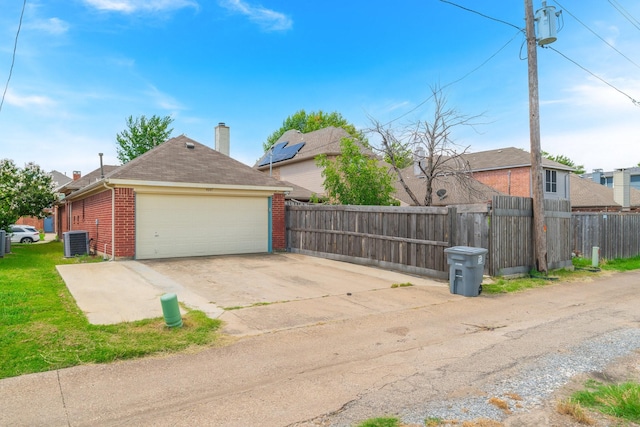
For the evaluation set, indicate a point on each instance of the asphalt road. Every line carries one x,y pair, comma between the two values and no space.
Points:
342,371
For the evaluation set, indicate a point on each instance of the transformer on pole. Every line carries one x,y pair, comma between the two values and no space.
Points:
546,18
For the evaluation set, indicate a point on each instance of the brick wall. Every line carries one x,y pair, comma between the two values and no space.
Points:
278,240
125,223
513,182
38,223
84,214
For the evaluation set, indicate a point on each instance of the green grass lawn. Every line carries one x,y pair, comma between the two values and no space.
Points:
618,400
42,328
582,267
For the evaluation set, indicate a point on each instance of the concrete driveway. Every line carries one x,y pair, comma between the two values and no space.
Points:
253,294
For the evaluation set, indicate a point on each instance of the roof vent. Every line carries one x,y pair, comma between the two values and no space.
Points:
189,145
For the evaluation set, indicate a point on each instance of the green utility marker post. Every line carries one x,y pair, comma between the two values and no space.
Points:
171,310
595,256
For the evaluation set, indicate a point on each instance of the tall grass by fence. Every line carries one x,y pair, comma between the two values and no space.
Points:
617,234
413,239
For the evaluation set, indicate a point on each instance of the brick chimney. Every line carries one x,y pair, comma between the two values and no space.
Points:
622,188
76,175
222,138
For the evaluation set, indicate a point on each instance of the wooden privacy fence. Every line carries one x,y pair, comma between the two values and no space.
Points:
617,234
409,239
511,235
413,239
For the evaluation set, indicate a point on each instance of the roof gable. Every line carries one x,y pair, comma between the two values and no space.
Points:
184,160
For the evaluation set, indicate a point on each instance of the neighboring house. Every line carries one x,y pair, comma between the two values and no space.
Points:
47,224
447,190
606,178
179,199
292,157
508,170
293,162
589,196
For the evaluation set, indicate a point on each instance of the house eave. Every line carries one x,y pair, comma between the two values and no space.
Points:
178,187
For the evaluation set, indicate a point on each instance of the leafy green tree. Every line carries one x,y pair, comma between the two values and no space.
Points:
23,192
142,135
398,154
579,169
353,178
308,122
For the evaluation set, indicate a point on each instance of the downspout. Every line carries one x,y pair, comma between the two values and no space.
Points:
113,220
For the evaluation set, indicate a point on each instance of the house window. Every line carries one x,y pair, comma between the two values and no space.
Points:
551,181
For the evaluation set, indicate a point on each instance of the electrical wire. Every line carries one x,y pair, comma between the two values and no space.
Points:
13,57
596,34
626,14
482,14
457,80
634,101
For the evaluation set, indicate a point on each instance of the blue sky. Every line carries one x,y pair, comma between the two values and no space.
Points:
83,66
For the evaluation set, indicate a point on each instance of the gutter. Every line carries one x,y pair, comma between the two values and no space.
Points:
113,220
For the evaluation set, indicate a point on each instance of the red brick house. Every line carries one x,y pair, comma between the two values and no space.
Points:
179,199
508,170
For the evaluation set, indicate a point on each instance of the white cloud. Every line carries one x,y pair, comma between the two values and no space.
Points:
26,101
130,6
164,101
53,26
268,19
596,126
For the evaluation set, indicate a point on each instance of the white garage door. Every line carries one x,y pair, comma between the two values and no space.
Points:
169,226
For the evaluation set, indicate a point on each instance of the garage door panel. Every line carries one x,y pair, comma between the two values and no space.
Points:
176,226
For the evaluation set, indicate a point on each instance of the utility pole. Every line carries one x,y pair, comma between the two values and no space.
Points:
539,227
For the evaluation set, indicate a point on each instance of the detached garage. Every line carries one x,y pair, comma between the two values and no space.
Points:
200,225
180,199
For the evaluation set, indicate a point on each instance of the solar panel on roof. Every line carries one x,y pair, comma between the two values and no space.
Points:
281,152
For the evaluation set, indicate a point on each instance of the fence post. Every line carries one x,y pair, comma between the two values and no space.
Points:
453,225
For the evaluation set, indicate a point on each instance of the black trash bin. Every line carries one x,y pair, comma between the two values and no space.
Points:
466,266
3,241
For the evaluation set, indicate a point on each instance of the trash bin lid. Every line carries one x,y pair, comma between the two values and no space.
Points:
465,250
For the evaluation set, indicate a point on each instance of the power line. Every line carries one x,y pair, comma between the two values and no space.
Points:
13,57
625,13
635,102
461,78
596,34
482,14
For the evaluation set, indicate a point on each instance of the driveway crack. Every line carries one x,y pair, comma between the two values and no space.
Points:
64,404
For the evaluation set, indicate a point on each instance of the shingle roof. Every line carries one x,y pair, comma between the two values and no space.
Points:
298,193
87,179
587,193
59,179
503,158
322,141
174,161
459,190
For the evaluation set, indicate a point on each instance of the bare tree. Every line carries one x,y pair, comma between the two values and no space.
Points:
436,153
